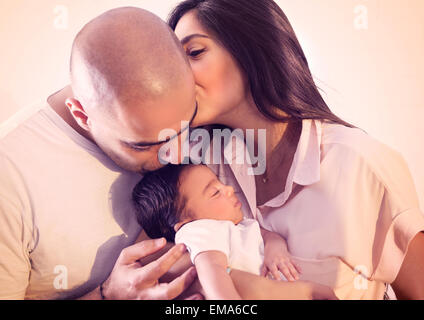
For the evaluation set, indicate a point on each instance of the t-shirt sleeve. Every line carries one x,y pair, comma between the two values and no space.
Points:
14,235
400,216
205,235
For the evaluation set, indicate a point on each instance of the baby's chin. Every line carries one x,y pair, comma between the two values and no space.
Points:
239,217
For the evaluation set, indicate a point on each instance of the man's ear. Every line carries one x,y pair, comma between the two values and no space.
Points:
78,112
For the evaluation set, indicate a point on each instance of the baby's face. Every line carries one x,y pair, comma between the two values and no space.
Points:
207,197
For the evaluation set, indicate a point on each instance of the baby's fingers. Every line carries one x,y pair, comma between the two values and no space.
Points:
274,271
293,270
264,270
285,270
297,267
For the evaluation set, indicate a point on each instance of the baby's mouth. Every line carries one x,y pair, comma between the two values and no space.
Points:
237,203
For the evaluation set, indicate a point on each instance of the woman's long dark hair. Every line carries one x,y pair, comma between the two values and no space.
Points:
259,36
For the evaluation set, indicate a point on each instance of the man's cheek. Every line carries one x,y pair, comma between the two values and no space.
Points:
149,162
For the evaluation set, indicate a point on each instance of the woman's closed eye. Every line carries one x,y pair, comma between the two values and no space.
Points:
195,53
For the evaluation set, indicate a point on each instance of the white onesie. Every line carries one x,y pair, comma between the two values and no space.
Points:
242,243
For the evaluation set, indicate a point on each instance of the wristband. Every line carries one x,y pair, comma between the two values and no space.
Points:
101,292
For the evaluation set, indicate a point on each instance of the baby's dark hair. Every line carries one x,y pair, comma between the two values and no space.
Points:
157,202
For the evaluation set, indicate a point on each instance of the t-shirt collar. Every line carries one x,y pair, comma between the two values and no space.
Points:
307,159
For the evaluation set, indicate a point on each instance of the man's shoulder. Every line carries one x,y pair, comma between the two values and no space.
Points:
30,130
19,118
24,129
26,138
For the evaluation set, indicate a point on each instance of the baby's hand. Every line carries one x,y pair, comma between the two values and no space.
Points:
278,259
283,263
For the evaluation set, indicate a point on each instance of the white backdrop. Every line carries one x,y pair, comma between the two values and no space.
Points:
366,56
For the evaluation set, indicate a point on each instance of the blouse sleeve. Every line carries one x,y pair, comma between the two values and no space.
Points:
400,216
205,235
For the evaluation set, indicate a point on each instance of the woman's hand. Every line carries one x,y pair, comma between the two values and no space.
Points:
278,259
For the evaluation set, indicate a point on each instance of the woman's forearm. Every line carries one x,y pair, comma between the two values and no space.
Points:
216,282
409,283
253,287
218,285
93,295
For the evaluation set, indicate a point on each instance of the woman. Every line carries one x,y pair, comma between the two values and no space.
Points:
345,203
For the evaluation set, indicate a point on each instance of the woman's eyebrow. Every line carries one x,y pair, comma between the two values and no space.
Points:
191,36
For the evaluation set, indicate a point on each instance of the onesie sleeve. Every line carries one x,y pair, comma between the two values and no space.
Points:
205,235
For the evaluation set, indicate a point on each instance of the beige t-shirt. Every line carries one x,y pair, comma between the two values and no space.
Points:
65,211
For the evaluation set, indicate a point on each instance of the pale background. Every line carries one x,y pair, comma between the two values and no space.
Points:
367,56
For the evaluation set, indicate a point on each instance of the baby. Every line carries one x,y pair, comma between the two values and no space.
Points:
188,204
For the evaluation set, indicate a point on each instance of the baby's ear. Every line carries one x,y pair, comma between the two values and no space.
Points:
178,225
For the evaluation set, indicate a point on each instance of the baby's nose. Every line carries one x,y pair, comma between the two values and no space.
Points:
229,190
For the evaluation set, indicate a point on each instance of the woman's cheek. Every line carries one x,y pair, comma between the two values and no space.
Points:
201,70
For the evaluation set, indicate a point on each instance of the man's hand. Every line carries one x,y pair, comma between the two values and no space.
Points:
130,280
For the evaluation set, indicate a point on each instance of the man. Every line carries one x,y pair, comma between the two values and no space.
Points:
67,173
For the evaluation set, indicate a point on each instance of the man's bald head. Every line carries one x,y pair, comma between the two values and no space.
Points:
126,55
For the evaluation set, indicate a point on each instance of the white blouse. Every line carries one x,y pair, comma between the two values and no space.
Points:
354,212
